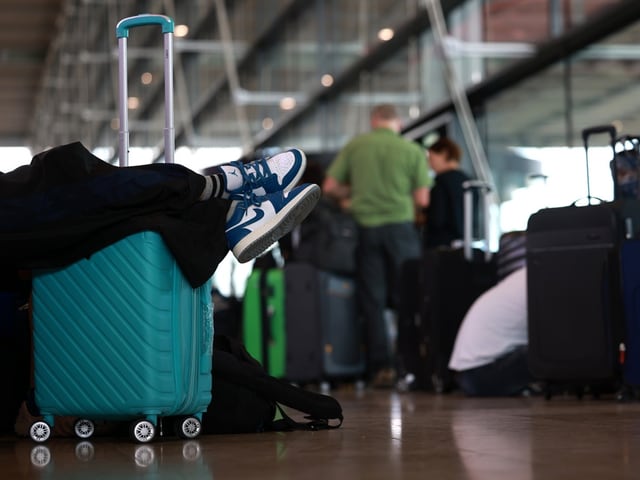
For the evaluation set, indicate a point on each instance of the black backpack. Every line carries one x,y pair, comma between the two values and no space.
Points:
328,239
245,399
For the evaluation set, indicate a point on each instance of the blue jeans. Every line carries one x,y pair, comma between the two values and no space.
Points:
506,376
380,254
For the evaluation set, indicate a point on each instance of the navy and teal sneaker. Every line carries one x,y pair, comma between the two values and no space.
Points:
254,222
261,177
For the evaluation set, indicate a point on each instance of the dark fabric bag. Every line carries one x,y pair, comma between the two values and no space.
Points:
328,239
247,400
15,345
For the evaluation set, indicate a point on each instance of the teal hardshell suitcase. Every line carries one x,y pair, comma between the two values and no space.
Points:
120,336
123,335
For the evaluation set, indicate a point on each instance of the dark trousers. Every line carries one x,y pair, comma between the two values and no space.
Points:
506,376
381,252
68,204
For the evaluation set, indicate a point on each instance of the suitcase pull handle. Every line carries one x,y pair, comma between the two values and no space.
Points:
587,132
484,190
122,32
124,25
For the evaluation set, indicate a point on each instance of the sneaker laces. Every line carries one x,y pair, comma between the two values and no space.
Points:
246,197
253,180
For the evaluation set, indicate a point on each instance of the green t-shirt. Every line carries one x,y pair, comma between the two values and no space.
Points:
383,170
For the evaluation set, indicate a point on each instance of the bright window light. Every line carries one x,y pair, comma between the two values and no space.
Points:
566,182
199,159
14,157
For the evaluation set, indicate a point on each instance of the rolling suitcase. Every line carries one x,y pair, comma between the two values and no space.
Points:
324,332
122,335
446,281
263,319
574,291
630,259
342,329
304,359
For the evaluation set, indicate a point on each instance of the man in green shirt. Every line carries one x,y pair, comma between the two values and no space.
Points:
385,179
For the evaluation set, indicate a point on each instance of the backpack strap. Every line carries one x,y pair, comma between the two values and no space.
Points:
232,362
286,423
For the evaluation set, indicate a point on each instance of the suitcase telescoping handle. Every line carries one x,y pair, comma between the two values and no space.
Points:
586,133
122,33
484,190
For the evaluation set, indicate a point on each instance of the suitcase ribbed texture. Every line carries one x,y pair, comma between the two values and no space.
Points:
122,334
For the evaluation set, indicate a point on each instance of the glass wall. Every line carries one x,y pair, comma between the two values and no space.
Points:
531,132
540,121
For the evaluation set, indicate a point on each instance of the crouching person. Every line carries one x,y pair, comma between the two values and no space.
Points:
490,352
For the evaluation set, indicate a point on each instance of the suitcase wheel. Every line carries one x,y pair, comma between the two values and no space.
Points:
188,427
142,431
84,428
40,431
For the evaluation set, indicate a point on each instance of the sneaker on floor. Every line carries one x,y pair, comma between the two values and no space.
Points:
254,223
261,177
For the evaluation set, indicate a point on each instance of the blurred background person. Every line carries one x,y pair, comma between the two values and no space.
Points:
386,179
444,214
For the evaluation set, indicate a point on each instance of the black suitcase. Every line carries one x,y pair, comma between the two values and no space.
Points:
324,333
303,328
575,307
436,293
574,290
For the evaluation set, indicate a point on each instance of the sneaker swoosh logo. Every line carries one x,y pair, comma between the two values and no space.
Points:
258,215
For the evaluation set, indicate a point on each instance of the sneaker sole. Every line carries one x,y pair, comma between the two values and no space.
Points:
295,212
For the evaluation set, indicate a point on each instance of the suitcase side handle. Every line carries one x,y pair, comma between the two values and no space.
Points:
124,25
122,32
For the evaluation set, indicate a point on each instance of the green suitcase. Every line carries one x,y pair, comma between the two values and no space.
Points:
263,319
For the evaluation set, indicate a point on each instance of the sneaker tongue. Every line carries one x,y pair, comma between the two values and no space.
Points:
268,185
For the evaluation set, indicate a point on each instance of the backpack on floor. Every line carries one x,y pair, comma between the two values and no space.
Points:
246,399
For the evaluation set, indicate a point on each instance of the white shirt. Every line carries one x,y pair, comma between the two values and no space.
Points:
495,324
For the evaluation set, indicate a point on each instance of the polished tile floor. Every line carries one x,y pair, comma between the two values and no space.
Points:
386,435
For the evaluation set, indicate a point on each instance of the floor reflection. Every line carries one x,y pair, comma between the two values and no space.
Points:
490,443
106,460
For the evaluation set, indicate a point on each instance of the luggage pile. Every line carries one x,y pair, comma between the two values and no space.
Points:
300,320
583,282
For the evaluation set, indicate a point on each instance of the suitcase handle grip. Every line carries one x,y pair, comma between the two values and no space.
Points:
124,25
610,129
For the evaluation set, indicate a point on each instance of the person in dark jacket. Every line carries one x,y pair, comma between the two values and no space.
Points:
67,204
444,215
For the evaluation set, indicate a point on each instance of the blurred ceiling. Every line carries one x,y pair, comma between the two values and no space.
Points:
58,69
27,28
